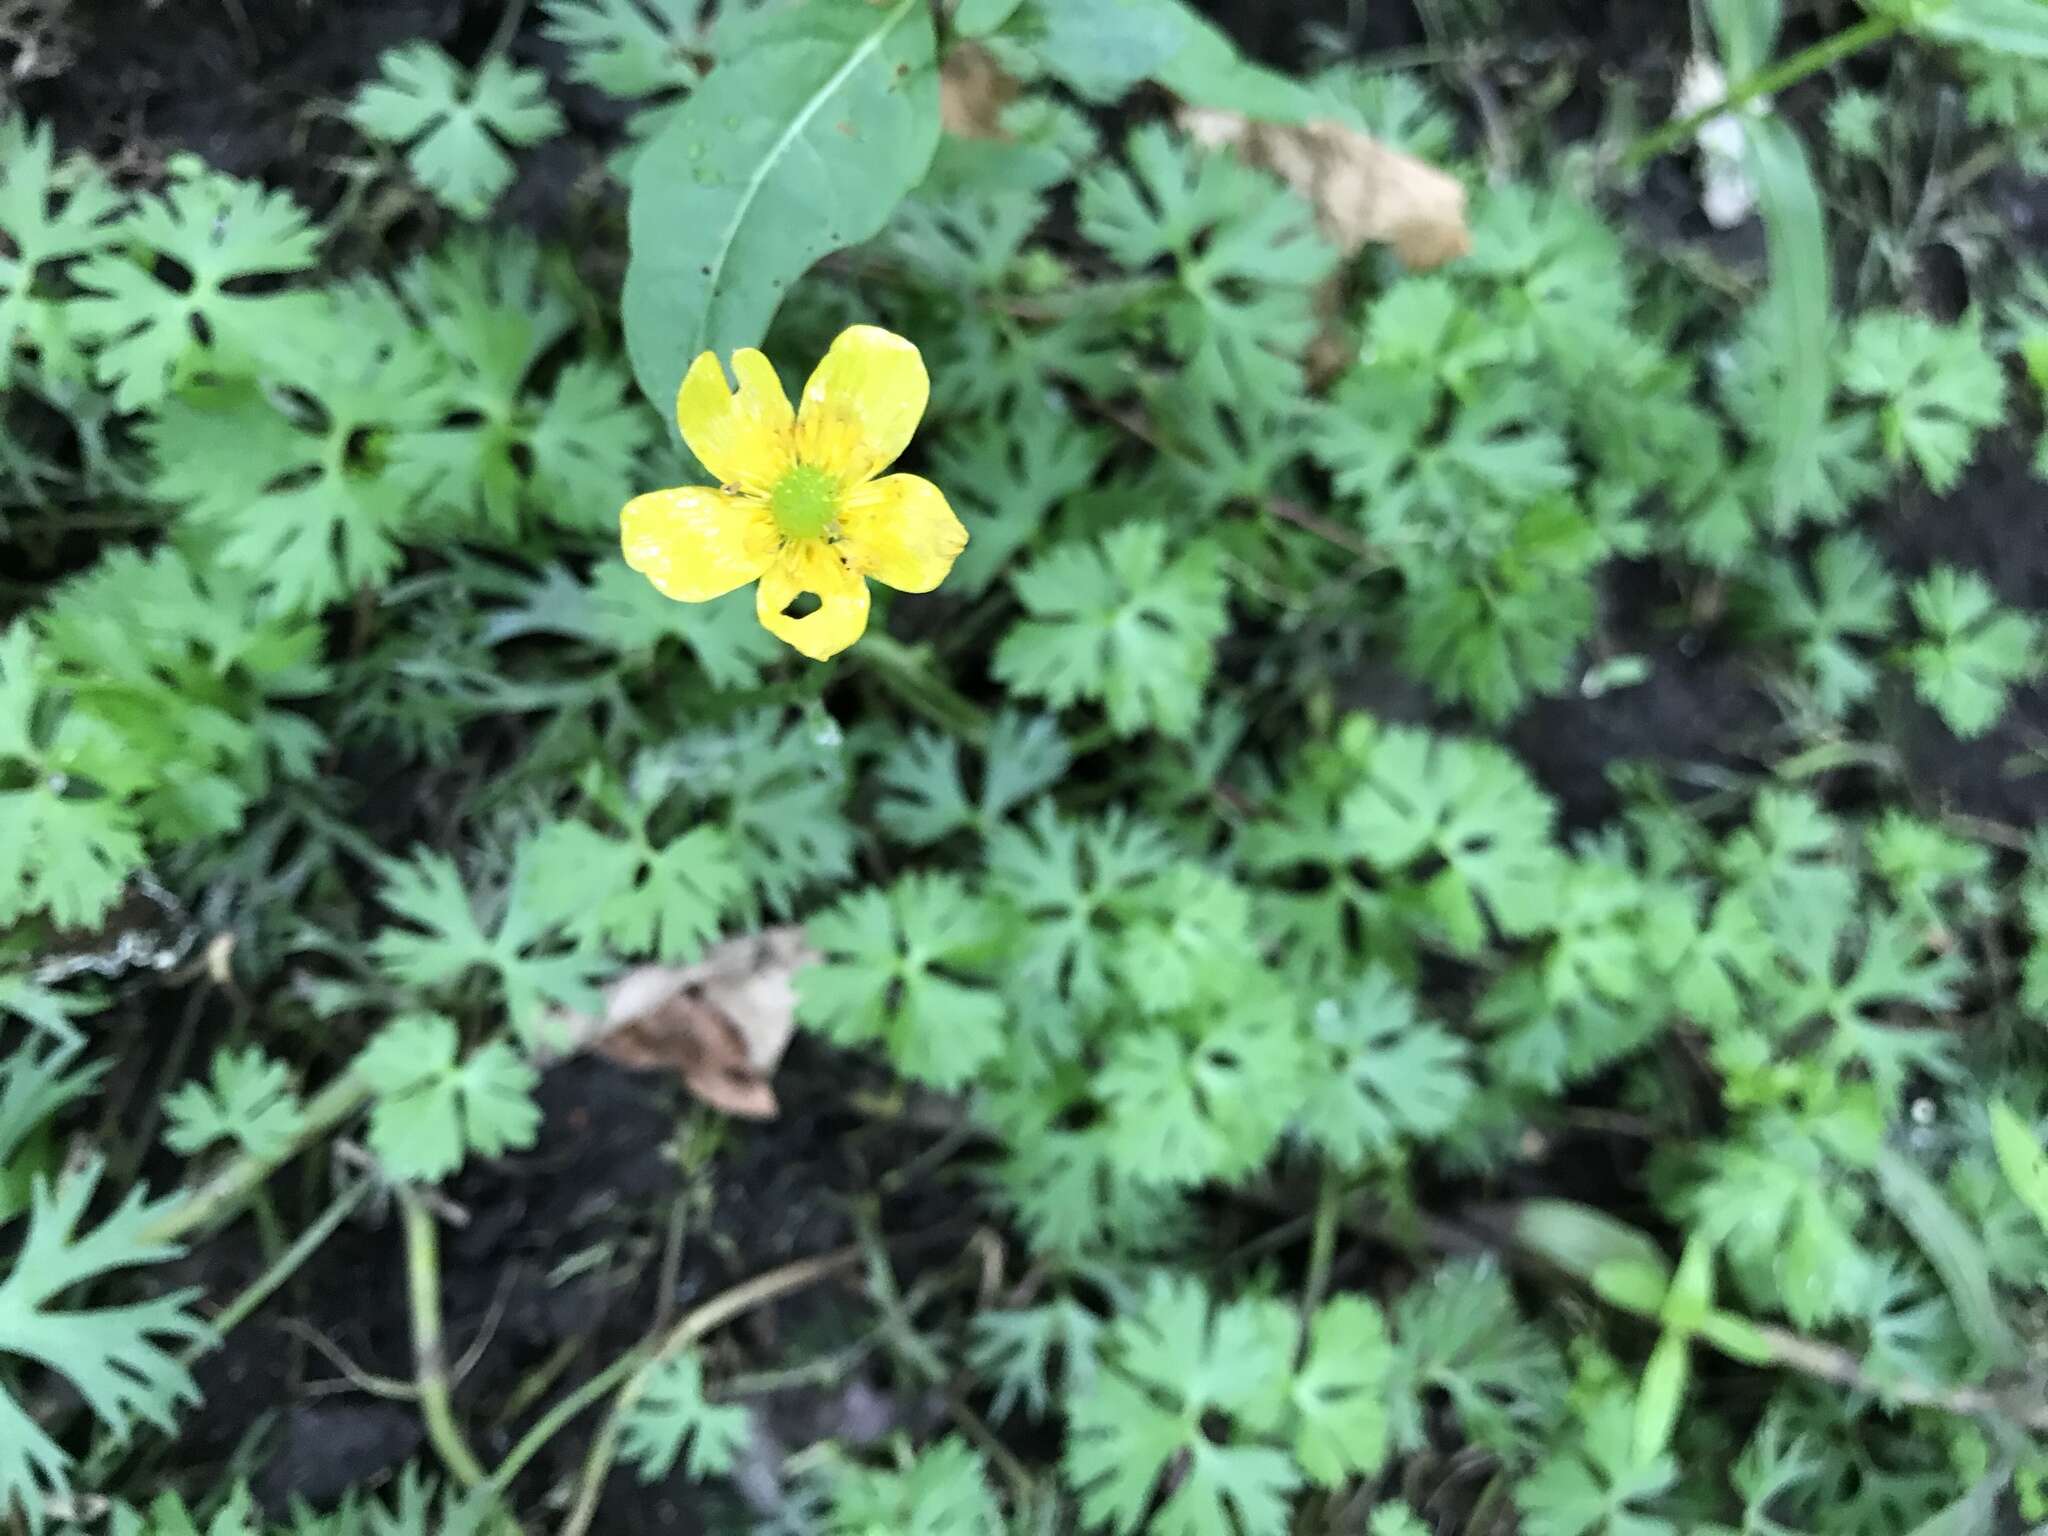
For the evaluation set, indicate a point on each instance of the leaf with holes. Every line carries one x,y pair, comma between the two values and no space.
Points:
1171,1367
1470,805
52,213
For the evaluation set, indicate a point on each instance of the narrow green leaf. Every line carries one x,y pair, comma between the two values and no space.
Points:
1953,1249
1662,1394
1586,1242
798,146
1795,234
1692,1287
1633,1284
1738,1338
2021,1156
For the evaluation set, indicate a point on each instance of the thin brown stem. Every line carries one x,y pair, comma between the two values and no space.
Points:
1324,529
713,1314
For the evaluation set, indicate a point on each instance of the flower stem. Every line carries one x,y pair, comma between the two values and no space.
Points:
507,29
1765,82
430,1357
550,1424
910,676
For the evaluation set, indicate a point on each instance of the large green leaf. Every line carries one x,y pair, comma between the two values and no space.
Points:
795,147
1101,48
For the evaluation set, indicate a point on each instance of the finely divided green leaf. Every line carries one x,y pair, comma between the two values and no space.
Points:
454,121
672,1410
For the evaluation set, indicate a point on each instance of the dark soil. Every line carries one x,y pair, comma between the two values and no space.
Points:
561,1247
1697,705
256,87
237,84
1984,525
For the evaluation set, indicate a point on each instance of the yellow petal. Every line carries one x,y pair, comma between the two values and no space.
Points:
747,439
862,403
812,565
899,530
695,543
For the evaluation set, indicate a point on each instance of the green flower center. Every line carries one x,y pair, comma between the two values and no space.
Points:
805,501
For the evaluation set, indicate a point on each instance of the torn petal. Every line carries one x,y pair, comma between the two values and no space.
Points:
813,566
747,438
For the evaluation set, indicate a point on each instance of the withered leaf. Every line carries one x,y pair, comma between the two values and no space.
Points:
973,90
1363,192
688,1036
721,1024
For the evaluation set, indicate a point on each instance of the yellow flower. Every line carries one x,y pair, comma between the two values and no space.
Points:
800,509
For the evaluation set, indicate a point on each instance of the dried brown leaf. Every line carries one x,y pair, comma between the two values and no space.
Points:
973,90
689,1037
1363,192
721,1024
